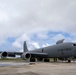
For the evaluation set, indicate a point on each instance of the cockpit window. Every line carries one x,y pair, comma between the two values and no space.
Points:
74,44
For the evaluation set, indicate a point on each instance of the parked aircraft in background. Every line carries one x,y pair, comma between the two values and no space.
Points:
61,50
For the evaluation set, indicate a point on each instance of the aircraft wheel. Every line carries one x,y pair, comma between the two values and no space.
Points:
32,60
46,60
69,61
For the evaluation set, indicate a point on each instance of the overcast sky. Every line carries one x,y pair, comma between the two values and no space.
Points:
39,22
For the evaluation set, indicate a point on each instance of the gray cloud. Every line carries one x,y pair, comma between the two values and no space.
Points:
29,16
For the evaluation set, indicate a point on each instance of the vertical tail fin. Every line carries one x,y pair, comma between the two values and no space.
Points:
25,47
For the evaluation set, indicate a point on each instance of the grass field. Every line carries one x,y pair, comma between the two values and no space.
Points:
12,59
15,59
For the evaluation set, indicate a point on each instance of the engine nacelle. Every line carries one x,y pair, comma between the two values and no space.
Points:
26,56
4,54
29,55
11,55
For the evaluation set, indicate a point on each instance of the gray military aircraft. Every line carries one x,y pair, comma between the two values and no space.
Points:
61,50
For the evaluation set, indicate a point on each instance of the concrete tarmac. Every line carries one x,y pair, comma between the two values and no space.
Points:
38,68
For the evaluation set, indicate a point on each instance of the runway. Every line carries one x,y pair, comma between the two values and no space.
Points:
38,68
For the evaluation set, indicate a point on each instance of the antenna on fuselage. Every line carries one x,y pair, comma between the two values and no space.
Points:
60,41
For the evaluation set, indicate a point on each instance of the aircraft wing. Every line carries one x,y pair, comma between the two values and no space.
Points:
24,55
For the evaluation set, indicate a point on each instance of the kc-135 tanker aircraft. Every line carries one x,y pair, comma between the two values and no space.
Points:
61,50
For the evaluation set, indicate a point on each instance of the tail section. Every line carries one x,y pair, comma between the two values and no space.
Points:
25,47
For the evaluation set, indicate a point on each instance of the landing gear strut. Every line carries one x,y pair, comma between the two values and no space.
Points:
55,59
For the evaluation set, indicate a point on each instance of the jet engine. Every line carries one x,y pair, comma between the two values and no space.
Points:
29,55
4,54
11,54
7,54
26,56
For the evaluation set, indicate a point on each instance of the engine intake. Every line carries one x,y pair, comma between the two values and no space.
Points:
28,55
4,54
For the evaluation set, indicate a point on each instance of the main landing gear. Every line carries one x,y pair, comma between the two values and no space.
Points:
55,59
